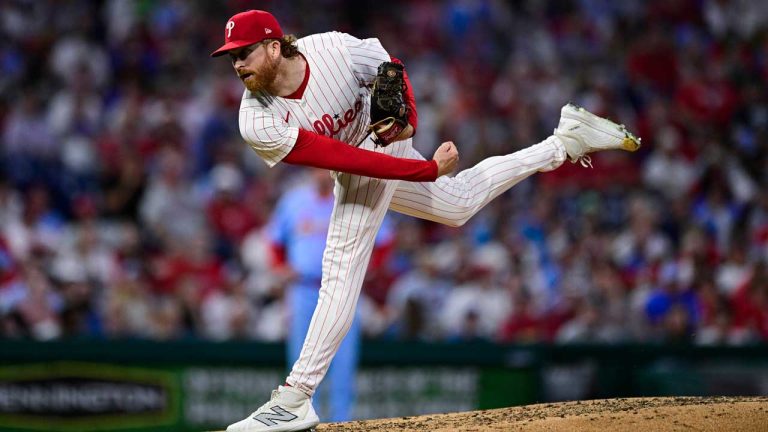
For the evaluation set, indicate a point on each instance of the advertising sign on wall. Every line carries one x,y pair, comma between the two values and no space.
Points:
64,396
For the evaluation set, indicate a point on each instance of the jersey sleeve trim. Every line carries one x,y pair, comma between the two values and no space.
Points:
268,135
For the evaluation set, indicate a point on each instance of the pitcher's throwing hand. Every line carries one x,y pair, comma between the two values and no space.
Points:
447,157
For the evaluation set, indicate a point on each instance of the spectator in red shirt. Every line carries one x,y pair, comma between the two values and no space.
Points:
522,324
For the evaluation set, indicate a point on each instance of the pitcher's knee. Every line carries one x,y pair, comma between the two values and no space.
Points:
455,223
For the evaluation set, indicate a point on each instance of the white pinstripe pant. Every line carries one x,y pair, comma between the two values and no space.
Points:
360,205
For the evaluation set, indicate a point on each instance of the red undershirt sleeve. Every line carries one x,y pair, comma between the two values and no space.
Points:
408,98
319,151
279,256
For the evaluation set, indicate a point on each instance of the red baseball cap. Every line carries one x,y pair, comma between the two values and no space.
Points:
247,28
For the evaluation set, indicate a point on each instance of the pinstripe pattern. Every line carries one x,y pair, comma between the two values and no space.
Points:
453,200
341,69
360,205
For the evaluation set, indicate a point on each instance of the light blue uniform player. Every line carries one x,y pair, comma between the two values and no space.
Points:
299,224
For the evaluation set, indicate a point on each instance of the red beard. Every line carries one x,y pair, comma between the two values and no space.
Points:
262,78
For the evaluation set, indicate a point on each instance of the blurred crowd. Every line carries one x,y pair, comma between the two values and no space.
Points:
131,208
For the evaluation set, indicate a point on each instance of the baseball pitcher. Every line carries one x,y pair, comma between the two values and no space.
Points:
336,102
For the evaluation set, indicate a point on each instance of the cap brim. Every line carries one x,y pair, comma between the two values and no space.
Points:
230,46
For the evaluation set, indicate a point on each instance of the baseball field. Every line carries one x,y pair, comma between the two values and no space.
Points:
742,414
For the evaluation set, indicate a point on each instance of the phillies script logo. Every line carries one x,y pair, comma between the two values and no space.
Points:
334,125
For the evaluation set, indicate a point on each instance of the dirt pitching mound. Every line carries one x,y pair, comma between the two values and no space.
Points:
742,414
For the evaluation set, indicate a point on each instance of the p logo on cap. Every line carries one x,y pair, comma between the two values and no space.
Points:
248,28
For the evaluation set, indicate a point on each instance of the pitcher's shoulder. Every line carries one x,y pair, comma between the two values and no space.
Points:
321,42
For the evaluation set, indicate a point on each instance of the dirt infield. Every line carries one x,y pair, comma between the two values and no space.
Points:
742,414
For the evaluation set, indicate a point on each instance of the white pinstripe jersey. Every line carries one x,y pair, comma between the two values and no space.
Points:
335,103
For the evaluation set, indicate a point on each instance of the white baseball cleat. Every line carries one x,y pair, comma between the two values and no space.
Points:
289,410
583,132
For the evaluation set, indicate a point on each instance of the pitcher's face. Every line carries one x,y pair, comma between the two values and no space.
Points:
257,64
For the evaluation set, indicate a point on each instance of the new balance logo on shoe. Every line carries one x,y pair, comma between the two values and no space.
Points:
278,414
